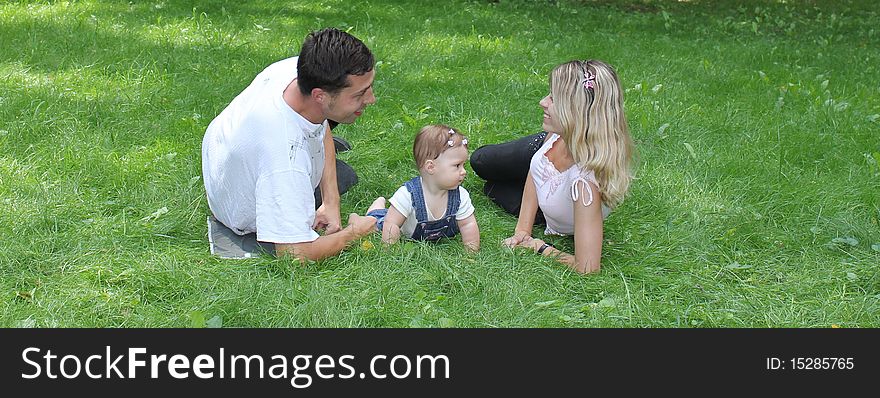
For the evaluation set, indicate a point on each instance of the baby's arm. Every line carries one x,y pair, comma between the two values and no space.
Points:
470,233
391,229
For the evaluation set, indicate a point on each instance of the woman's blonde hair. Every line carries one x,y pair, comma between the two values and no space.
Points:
588,102
434,139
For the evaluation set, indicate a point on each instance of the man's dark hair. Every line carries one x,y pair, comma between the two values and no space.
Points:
326,59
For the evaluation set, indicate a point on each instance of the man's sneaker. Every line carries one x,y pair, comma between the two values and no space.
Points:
340,144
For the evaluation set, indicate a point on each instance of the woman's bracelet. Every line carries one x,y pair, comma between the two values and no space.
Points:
544,247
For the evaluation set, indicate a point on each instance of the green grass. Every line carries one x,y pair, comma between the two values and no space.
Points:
757,201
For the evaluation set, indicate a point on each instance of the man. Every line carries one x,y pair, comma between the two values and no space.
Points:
265,154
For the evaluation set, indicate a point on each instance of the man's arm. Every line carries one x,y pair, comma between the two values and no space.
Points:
331,244
327,216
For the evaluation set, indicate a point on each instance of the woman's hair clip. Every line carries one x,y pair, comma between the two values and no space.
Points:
589,80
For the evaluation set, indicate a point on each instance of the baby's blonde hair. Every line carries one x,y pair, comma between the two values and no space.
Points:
432,140
589,104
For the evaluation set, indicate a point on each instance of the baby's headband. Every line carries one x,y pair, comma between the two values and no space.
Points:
451,142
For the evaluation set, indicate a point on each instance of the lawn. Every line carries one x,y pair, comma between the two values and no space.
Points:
756,203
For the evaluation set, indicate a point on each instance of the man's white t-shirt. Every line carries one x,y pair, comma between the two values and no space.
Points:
402,201
261,161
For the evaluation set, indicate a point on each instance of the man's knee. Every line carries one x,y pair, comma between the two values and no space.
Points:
346,177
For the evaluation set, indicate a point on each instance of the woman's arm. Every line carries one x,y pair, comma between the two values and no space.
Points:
391,229
588,230
527,211
550,251
470,233
587,235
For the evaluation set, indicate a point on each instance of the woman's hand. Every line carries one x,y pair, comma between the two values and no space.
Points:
519,238
533,244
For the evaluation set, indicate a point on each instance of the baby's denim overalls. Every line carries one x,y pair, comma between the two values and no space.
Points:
427,230
433,230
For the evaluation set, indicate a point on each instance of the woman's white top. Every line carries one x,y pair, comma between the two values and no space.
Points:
558,191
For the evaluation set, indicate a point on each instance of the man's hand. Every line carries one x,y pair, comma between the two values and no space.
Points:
328,220
362,225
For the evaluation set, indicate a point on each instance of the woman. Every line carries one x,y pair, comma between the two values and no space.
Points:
579,168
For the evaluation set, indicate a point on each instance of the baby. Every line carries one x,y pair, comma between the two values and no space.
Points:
434,204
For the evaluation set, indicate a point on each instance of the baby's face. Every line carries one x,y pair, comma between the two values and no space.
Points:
450,172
